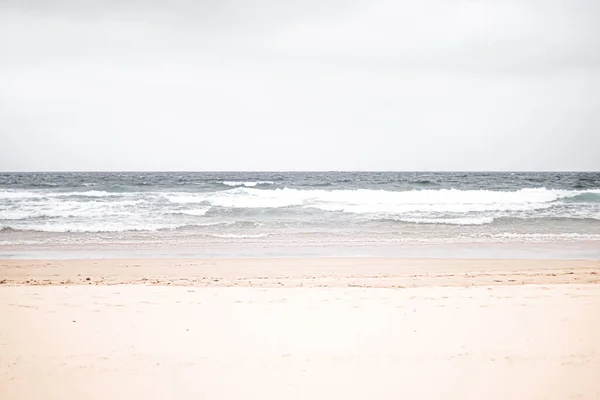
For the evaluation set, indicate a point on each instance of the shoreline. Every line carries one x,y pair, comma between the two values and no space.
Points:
366,272
588,250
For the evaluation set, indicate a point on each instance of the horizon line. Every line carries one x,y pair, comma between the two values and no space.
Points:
297,171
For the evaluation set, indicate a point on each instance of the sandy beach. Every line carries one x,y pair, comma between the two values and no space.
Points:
350,328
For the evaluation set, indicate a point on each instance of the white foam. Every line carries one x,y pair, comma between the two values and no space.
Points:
18,194
57,208
90,193
450,221
185,198
198,212
365,201
247,184
546,236
256,198
97,227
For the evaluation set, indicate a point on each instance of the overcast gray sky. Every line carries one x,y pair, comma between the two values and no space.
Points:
311,85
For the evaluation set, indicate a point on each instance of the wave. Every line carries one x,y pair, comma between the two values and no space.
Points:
247,184
42,185
424,182
449,221
239,224
185,198
89,193
318,185
545,236
21,195
486,220
359,201
591,196
98,227
246,194
101,211
53,208
368,201
196,212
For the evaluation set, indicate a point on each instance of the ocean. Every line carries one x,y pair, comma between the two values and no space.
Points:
262,211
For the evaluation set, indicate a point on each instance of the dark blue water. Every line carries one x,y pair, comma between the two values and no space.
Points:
194,181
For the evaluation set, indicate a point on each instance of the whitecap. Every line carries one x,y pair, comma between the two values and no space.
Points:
247,184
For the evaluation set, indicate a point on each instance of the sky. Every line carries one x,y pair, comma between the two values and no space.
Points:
314,85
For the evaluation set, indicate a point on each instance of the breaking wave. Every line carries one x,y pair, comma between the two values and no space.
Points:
105,211
247,184
364,201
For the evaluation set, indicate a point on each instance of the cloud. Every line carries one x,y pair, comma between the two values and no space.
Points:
314,85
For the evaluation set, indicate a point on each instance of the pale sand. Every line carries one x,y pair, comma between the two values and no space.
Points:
299,272
455,330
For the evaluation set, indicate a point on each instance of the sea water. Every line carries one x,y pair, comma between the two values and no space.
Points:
229,211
